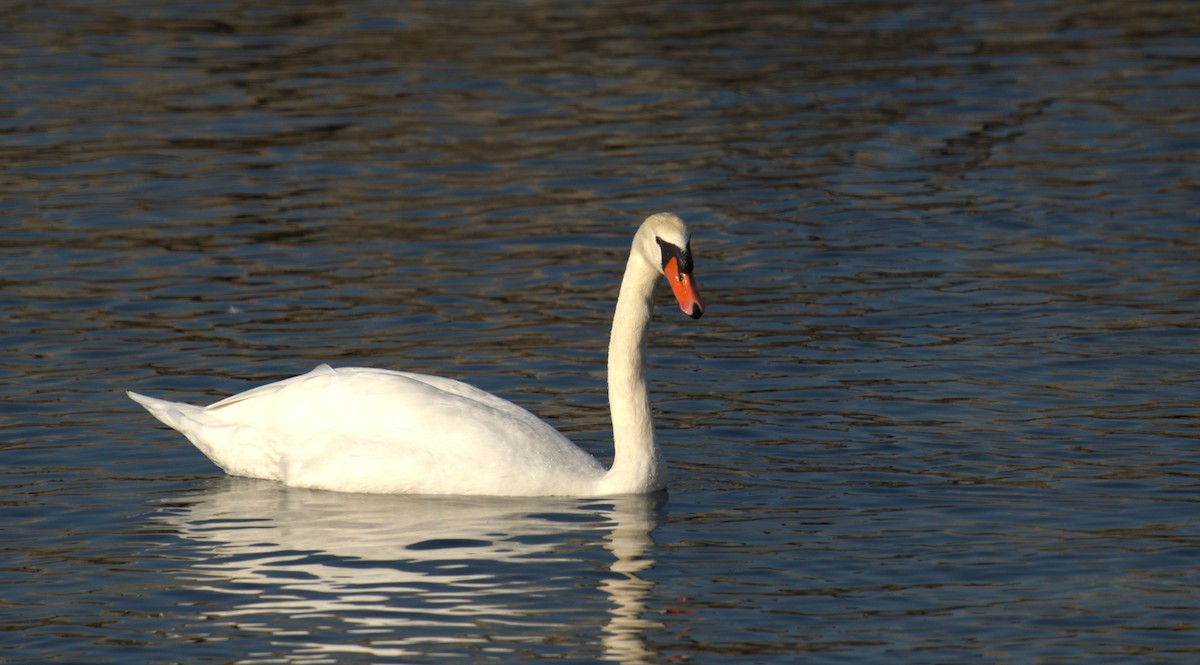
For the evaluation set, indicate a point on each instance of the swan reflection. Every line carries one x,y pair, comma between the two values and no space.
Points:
403,575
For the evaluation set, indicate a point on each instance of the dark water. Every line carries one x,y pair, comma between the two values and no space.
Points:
944,406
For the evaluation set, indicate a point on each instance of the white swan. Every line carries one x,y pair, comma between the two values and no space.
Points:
375,430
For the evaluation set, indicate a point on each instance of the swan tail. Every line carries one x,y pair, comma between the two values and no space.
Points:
176,415
235,448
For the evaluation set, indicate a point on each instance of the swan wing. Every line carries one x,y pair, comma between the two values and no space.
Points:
373,430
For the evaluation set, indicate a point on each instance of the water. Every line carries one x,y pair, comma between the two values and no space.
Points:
942,408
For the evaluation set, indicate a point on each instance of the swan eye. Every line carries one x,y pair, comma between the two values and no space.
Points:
683,257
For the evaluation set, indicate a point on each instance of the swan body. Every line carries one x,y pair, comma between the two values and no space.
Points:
382,431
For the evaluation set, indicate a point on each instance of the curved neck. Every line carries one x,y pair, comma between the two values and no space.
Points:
637,466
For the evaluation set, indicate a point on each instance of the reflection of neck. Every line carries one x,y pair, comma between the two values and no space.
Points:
637,466
625,634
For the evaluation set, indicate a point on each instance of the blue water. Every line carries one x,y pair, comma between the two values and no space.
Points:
944,406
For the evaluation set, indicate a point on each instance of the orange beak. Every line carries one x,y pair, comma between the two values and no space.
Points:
684,288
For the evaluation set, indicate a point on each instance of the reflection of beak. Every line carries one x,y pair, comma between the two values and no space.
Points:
684,288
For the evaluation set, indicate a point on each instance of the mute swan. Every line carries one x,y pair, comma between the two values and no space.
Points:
375,430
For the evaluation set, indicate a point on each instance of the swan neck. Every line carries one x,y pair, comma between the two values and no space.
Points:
637,466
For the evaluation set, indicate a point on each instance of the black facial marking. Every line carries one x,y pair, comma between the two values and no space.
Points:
683,257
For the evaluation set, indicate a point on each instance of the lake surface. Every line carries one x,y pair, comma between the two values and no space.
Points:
944,406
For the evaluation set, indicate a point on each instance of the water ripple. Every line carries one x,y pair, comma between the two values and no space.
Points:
942,406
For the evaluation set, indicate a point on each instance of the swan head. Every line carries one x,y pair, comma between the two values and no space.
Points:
664,243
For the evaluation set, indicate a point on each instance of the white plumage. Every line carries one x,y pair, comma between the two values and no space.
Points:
375,430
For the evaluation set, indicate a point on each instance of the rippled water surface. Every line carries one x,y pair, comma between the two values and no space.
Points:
944,406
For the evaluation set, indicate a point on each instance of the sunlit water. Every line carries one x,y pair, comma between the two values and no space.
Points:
943,406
